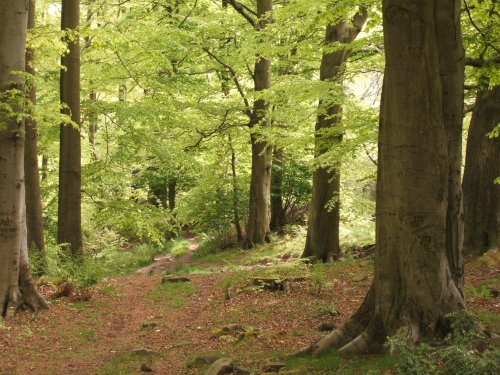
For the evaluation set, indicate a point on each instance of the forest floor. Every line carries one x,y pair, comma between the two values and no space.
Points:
135,323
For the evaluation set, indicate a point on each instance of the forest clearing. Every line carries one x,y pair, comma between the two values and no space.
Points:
250,187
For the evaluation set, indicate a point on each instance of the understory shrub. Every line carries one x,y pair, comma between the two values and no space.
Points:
465,351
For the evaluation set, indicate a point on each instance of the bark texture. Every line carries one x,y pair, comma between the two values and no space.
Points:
69,209
322,242
260,184
16,286
418,270
236,194
36,240
482,167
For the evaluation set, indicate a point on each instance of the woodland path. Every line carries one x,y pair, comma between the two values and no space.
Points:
135,320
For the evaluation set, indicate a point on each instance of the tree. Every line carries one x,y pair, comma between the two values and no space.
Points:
16,286
418,270
260,183
482,167
36,240
322,240
69,208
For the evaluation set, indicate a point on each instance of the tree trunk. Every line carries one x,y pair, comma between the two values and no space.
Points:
277,211
45,167
16,286
482,167
36,241
93,126
69,211
236,194
418,278
258,217
322,241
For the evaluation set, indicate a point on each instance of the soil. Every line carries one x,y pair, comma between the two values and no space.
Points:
128,324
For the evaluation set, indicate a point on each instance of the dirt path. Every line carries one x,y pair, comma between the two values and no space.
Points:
133,321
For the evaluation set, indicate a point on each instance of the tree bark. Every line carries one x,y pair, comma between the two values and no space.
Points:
277,211
236,194
36,240
482,167
16,286
69,211
93,125
322,241
418,270
258,217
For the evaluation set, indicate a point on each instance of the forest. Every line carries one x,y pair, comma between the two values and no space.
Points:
250,187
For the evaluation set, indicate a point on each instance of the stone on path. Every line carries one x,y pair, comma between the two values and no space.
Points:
221,367
175,279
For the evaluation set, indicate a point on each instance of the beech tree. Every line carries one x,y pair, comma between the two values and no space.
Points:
36,239
418,275
16,286
482,167
322,240
69,206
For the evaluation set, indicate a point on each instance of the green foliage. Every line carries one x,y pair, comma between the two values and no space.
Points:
459,357
172,295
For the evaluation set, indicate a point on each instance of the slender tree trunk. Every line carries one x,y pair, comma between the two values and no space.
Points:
322,242
36,240
45,167
236,194
69,211
93,126
258,217
277,211
418,270
16,286
482,167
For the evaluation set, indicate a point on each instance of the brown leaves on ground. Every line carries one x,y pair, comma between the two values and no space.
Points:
136,314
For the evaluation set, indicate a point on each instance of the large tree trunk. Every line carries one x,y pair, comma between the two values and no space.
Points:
482,167
36,241
69,211
258,217
16,286
418,277
277,211
322,242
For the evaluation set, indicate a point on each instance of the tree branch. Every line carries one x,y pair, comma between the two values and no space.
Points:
248,110
244,11
480,62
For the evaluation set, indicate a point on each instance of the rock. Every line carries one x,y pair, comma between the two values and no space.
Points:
175,279
285,256
326,327
221,367
272,284
146,368
273,366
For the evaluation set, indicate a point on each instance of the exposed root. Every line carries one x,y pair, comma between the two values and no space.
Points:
365,343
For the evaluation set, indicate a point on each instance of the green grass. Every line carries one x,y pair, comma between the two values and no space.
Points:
172,295
124,364
333,363
489,319
177,246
